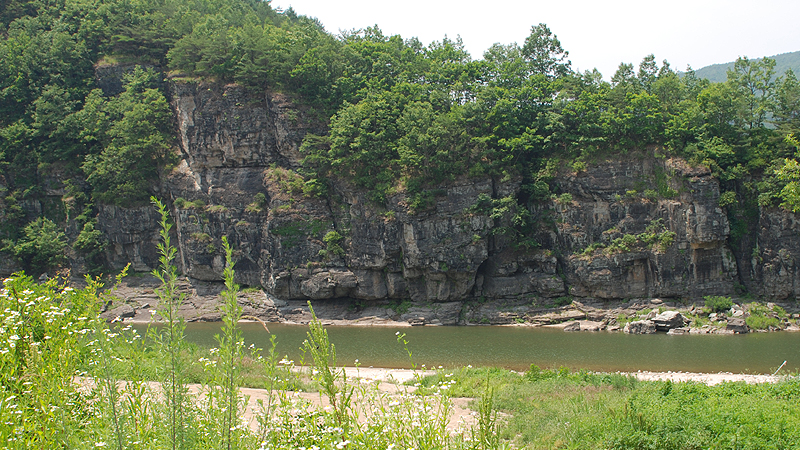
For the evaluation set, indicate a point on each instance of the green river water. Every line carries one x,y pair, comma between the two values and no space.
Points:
519,347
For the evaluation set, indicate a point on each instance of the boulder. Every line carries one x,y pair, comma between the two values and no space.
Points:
676,331
668,320
737,325
123,311
319,286
331,284
590,325
573,326
559,316
640,327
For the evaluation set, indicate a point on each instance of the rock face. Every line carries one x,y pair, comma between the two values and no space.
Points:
236,178
697,262
775,259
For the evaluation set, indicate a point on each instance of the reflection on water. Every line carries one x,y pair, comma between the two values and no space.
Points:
519,347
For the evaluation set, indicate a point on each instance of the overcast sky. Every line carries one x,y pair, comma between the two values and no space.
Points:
597,33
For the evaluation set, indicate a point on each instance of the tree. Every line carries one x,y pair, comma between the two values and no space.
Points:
790,173
91,244
753,81
40,248
648,72
787,104
623,82
134,138
544,54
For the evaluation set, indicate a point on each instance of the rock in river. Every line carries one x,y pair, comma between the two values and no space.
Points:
640,327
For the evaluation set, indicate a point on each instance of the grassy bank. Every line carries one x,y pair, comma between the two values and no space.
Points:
547,409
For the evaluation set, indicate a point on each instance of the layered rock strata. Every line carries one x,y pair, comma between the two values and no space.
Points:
635,227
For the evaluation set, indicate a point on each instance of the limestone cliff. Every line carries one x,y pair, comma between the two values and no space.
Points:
638,226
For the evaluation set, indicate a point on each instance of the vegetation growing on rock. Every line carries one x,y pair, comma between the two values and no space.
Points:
360,124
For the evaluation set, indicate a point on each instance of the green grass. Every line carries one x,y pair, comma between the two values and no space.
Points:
759,322
549,409
761,317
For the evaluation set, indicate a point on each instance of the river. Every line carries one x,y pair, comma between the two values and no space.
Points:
519,347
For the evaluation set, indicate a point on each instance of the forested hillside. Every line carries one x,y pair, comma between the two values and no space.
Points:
719,72
394,115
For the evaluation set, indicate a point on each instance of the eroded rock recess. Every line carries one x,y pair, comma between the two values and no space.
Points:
444,264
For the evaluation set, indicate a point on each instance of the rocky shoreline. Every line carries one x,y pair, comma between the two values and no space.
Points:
135,301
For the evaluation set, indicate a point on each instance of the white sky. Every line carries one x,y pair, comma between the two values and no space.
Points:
597,33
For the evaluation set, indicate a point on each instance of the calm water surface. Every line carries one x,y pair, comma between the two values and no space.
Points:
519,347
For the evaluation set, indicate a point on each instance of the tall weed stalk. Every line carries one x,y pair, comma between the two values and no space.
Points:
106,360
224,404
487,430
323,354
171,337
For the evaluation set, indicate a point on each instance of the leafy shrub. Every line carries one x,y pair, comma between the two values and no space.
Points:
40,248
727,198
666,239
400,306
258,204
717,303
629,239
762,318
332,240
564,199
563,300
202,237
762,322
216,209
182,203
91,244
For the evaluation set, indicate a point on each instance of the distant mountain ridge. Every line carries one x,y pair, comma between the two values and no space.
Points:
718,72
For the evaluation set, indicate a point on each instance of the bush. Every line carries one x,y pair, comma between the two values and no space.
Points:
40,248
331,240
564,199
91,244
563,301
761,322
180,202
762,318
718,304
727,198
258,204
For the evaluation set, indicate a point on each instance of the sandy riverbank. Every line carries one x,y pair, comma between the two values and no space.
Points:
404,375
